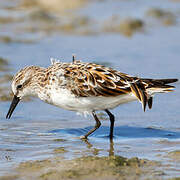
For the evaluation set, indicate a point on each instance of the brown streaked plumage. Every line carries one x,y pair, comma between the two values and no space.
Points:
85,87
87,79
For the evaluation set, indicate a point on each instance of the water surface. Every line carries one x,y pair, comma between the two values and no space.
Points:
36,129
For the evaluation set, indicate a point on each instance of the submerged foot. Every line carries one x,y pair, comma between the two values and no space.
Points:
83,137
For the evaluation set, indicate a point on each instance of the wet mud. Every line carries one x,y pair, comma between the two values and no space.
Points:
89,167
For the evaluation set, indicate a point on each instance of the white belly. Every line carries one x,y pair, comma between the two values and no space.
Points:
64,99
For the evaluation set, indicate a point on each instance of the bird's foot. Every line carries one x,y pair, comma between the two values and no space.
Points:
83,137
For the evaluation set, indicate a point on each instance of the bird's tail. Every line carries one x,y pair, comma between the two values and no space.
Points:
144,89
159,85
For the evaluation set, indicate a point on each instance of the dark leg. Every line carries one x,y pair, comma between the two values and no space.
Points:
98,124
112,119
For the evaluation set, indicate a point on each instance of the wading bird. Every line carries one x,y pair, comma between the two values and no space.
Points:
85,88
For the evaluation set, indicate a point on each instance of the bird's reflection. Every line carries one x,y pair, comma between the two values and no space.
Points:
111,146
89,145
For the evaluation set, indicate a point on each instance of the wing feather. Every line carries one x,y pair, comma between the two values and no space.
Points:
143,98
135,91
95,80
150,101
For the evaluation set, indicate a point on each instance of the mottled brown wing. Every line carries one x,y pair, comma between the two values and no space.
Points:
138,88
87,79
97,80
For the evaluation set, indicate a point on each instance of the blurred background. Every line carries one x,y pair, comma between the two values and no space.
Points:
138,37
134,36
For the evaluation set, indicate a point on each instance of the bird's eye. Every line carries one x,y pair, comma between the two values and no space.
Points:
19,86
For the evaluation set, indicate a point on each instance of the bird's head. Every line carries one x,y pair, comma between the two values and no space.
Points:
21,86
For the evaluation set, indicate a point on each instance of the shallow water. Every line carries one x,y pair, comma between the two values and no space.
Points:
36,129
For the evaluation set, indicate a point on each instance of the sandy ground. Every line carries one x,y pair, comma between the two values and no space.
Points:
92,167
113,167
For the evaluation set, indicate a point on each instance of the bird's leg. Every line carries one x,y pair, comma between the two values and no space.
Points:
97,125
112,119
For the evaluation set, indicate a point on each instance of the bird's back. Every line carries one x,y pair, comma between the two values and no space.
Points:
92,80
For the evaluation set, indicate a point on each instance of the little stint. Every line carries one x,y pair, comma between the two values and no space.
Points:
85,88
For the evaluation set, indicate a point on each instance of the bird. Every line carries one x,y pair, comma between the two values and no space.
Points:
85,88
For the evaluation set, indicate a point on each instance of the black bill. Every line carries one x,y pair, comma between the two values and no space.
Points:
13,106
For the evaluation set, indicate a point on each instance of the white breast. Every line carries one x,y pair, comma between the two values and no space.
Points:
64,99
